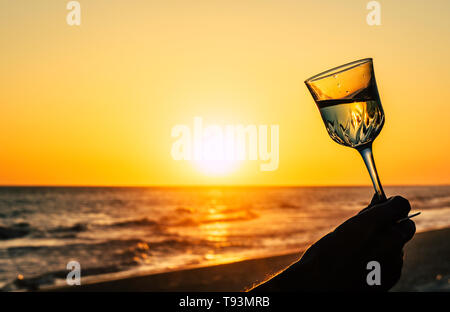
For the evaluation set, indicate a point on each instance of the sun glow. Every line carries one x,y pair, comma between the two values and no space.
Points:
216,167
215,150
214,161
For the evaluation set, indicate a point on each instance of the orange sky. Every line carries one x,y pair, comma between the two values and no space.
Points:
95,104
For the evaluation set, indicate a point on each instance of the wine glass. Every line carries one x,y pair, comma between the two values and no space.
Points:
348,100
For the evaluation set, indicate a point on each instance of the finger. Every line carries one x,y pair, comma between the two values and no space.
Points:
374,201
386,213
406,229
394,239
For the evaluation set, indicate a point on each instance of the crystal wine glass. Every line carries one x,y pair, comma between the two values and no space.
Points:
348,100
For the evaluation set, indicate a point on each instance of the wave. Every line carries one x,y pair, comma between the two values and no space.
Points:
35,282
67,231
243,216
134,222
82,227
438,202
116,256
78,227
16,231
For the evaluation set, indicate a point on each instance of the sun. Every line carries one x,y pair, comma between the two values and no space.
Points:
217,167
217,157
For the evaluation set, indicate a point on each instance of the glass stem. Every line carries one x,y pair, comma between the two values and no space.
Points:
366,153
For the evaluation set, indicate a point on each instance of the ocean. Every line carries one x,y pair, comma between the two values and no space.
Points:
115,232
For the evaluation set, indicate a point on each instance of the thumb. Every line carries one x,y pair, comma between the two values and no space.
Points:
375,201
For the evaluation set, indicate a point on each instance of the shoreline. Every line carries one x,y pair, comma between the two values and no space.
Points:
426,268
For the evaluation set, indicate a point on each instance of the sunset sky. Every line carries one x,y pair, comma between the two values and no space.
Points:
95,104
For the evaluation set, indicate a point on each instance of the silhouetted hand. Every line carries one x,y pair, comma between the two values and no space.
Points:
338,261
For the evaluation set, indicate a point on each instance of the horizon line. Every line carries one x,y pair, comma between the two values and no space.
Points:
208,185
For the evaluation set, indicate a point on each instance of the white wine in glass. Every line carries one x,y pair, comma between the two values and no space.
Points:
348,100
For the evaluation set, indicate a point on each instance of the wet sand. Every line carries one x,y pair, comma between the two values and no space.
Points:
426,268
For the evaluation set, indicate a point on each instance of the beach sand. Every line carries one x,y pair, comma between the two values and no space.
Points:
426,268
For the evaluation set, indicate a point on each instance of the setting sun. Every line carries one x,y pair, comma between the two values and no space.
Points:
216,167
217,153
